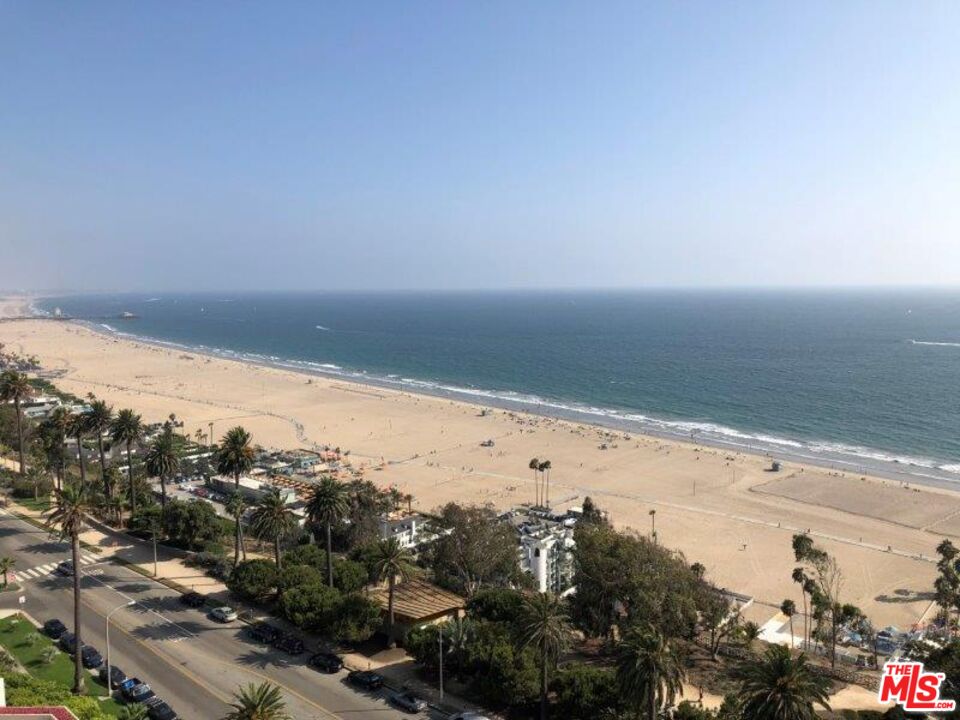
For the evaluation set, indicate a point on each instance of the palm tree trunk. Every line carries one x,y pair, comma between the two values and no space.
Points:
107,489
133,491
652,692
543,685
276,551
236,540
16,405
803,593
83,465
390,641
330,567
791,632
163,492
77,660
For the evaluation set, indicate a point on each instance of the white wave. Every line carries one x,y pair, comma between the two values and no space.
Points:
321,327
108,328
951,468
935,344
151,300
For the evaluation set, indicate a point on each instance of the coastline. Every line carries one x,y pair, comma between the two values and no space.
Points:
717,504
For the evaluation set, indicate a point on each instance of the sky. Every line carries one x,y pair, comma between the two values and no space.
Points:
177,145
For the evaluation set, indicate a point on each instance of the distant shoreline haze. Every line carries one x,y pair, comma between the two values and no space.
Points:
865,377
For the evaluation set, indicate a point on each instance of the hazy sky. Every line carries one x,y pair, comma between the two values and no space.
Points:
203,145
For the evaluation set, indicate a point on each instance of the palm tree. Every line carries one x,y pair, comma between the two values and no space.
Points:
99,419
36,476
258,702
778,686
653,524
462,632
750,633
545,473
327,507
137,711
163,459
235,457
649,671
128,429
545,627
271,519
53,435
789,608
6,566
800,577
535,466
78,428
236,506
68,514
15,387
391,562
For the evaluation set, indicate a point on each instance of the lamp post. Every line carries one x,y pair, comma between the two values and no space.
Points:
130,603
440,639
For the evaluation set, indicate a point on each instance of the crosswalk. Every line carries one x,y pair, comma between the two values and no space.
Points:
41,571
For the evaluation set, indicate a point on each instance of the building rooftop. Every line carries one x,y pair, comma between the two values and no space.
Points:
417,600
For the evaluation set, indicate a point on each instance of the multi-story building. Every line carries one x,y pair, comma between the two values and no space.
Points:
546,548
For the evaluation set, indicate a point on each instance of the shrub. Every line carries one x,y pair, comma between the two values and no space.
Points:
253,579
310,606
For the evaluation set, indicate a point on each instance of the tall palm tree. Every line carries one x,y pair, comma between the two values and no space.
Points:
67,517
545,474
6,567
535,466
53,436
272,519
391,562
778,686
15,388
128,429
462,632
327,506
235,457
163,459
649,671
800,577
258,702
236,506
545,627
789,608
78,428
37,477
99,419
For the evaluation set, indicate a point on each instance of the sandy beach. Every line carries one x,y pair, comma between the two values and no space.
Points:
722,508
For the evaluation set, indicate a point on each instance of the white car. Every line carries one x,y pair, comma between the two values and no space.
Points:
224,614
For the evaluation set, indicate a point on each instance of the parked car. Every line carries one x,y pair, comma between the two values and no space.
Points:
469,715
54,628
157,709
408,702
65,568
135,690
263,632
290,644
326,662
68,642
90,657
193,599
117,676
224,614
366,679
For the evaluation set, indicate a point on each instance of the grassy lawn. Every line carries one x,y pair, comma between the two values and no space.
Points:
41,505
14,636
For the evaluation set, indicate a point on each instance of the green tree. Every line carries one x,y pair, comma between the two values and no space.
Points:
649,671
778,686
391,563
6,567
15,388
137,711
356,618
127,428
67,517
584,692
309,606
326,507
237,506
53,439
544,626
272,520
163,459
258,702
254,579
235,457
789,608
191,524
98,422
497,605
78,428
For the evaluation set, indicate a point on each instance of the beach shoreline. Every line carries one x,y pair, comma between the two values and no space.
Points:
718,505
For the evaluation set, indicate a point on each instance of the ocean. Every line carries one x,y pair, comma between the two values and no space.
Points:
859,379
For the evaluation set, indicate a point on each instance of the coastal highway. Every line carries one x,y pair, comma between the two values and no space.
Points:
190,661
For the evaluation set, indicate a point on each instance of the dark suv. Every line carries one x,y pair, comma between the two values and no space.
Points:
263,632
326,662
193,599
289,644
366,679
54,628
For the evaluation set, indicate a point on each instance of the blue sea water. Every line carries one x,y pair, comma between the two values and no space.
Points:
862,377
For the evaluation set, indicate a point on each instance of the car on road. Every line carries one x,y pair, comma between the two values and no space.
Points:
68,642
469,715
326,662
224,614
117,676
263,632
65,568
54,628
366,679
290,644
193,599
135,690
408,702
90,657
157,709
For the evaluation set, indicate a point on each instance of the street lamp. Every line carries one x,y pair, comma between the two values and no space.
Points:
129,603
440,639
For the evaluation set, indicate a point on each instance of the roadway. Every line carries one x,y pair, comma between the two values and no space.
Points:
192,662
